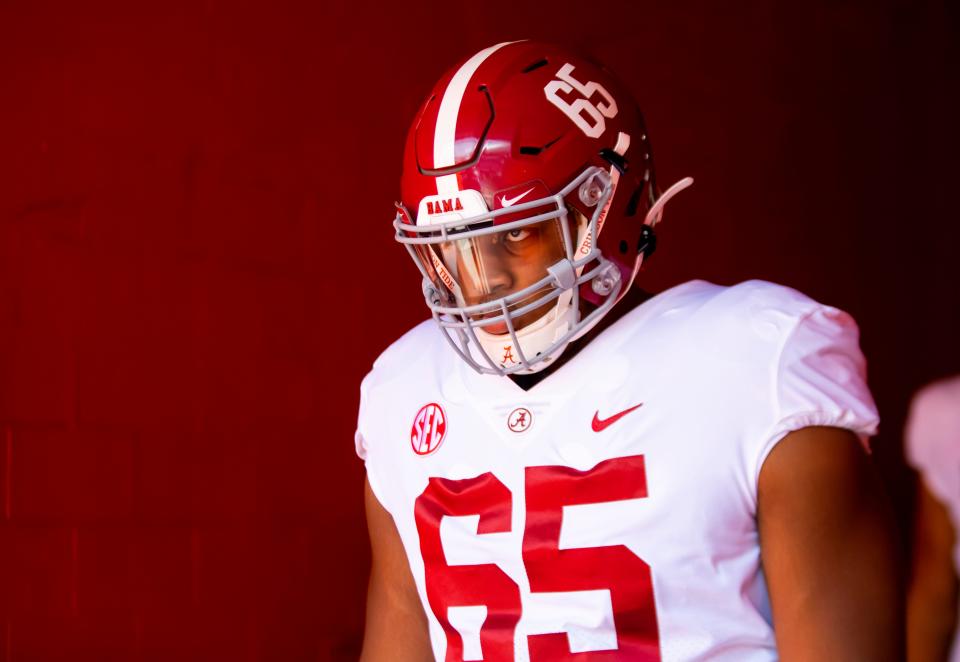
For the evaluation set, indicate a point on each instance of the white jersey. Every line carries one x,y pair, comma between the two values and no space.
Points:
612,507
933,448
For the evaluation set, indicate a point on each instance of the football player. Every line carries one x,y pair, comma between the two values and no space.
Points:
561,468
933,449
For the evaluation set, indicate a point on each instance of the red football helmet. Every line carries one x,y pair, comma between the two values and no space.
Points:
527,189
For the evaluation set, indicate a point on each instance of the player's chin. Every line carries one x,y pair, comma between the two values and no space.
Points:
494,328
519,323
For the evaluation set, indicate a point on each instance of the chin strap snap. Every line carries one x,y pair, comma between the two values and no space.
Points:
647,243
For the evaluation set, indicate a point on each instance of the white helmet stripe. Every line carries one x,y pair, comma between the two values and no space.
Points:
445,135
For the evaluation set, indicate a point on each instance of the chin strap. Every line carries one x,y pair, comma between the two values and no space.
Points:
652,218
654,215
656,211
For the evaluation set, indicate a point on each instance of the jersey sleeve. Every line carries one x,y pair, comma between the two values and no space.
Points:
933,438
361,438
821,380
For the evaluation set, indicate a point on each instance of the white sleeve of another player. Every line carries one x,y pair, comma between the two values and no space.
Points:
821,380
933,439
358,437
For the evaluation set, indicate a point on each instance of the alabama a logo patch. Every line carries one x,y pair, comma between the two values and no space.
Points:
428,430
519,420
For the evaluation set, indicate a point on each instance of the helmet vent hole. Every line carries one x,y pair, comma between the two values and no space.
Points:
534,66
623,246
634,201
534,150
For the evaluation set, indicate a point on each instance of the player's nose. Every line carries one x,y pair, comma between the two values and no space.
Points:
499,277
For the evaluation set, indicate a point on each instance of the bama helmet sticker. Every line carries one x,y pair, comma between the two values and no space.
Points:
428,430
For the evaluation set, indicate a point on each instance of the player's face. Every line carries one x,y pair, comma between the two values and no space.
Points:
496,265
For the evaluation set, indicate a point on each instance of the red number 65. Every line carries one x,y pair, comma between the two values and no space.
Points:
549,568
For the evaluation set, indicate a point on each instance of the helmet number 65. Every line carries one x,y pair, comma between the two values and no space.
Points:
588,117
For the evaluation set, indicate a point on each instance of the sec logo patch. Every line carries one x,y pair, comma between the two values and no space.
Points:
428,430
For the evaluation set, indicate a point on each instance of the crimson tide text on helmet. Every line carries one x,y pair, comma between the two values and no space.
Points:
528,200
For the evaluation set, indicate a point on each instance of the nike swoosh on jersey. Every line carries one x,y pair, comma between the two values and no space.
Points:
507,202
599,425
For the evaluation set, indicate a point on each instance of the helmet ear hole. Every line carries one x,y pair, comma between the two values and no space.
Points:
634,201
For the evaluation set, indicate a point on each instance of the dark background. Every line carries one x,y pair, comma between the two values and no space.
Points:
196,270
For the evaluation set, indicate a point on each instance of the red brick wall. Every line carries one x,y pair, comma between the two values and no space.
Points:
196,269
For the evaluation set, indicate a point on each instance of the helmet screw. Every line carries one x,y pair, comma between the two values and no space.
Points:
591,190
606,280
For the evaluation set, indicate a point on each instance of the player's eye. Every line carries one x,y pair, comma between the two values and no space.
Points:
518,235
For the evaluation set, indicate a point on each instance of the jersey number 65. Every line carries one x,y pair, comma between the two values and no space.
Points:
549,569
